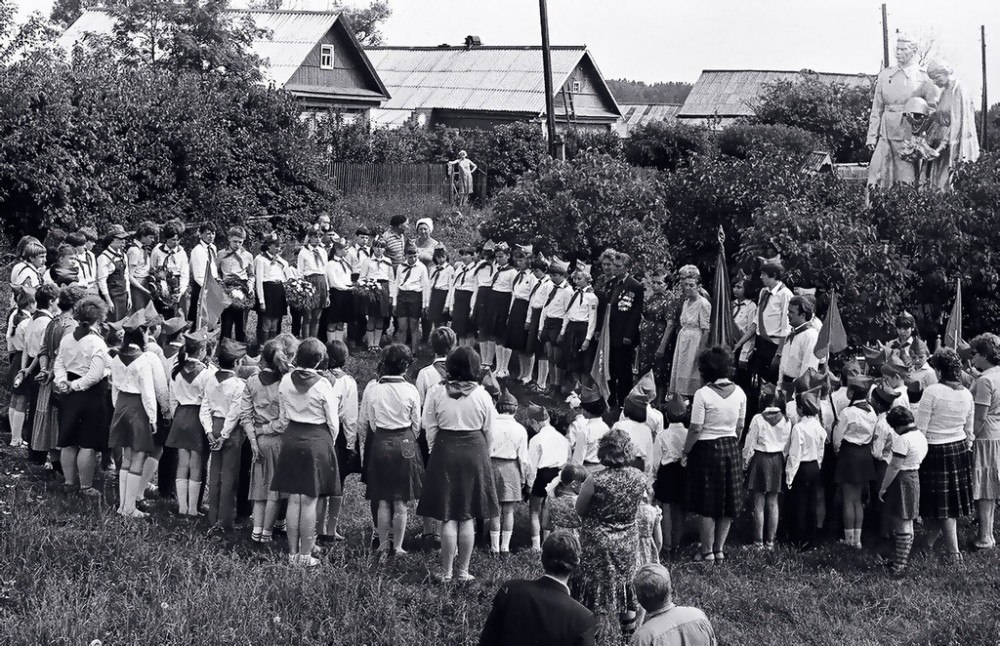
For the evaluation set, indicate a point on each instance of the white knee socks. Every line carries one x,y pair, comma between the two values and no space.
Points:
193,492
181,487
505,540
543,373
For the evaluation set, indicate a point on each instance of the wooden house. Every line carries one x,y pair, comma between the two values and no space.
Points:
478,86
720,97
311,54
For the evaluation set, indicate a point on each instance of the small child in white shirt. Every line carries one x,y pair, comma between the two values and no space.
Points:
900,487
764,461
667,474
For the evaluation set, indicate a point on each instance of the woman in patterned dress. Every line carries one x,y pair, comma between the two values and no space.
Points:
695,319
658,314
607,504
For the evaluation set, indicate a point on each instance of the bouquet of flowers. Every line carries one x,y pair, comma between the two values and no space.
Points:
368,290
240,292
164,287
300,294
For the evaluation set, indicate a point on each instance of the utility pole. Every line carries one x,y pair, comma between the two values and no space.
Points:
986,104
550,116
885,37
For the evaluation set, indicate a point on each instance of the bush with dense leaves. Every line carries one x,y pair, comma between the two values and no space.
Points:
580,208
831,249
666,145
743,140
836,112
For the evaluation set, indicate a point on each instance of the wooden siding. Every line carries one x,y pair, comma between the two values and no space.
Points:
347,66
382,179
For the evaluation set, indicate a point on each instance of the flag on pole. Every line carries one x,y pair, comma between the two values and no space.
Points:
600,372
212,301
722,330
832,336
953,333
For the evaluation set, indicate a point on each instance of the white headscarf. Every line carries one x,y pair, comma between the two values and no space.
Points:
428,222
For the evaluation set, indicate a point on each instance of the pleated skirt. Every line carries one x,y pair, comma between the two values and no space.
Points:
946,481
766,472
264,467
130,426
986,469
186,431
902,499
459,482
307,464
517,326
715,479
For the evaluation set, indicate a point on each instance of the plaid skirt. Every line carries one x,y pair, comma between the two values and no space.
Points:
902,498
946,481
715,478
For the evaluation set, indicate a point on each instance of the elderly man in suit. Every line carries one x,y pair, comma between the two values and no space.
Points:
541,612
623,298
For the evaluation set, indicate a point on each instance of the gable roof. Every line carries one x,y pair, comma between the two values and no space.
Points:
732,93
292,36
483,78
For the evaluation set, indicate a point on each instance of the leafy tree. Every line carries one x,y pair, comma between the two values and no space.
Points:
836,112
65,12
743,140
581,141
364,21
832,249
666,145
20,39
579,208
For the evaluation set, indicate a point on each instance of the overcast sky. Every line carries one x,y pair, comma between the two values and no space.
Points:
673,40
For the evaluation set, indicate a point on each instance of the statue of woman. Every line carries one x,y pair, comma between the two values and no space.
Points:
957,116
886,128
465,167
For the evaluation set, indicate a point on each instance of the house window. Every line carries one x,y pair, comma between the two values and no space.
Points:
326,57
576,87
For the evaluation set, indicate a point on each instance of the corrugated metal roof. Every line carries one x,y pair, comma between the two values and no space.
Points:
491,79
291,36
638,114
732,93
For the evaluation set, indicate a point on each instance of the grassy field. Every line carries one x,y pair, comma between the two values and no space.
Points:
72,572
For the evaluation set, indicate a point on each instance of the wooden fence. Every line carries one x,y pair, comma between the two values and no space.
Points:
381,179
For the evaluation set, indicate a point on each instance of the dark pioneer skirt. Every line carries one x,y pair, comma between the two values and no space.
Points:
531,344
459,481
479,313
275,303
902,499
855,464
435,309
130,427
321,296
542,480
517,322
186,431
83,418
341,308
497,307
670,484
396,470
461,315
766,473
308,462
573,357
715,479
946,481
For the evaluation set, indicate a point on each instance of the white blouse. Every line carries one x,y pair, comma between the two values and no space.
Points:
946,415
804,445
509,441
639,433
349,405
312,261
390,403
483,273
338,274
87,357
524,284
503,280
668,447
718,416
585,437
548,449
764,437
185,393
318,405
380,269
471,412
143,377
854,425
540,293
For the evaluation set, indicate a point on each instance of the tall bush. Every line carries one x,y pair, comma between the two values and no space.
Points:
579,208
743,140
666,145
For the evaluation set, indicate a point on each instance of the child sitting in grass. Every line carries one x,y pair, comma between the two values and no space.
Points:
562,494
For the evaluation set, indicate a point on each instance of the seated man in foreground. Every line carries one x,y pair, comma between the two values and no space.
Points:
667,624
529,613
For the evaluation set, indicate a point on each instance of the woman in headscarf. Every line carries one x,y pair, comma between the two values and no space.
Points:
459,487
956,114
695,319
424,243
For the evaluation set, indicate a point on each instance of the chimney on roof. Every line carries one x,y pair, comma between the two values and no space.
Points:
473,41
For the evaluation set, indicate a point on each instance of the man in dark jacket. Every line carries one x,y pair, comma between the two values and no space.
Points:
625,296
541,612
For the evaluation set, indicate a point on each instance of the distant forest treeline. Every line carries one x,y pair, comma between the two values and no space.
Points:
626,91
